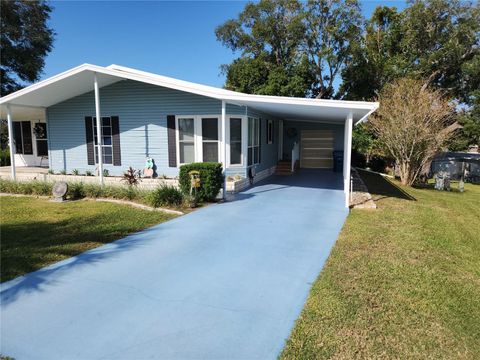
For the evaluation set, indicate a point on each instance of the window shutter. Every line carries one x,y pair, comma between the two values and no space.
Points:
260,141
117,157
172,146
89,138
27,137
17,137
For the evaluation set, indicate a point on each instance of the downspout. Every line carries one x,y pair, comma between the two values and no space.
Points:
99,129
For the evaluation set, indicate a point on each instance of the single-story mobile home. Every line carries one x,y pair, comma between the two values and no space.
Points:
92,118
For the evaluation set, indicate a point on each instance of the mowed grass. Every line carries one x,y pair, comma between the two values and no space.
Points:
402,281
37,232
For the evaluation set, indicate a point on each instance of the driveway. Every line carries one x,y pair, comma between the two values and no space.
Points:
224,282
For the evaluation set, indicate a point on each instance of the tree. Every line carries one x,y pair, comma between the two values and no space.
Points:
437,40
332,28
288,48
25,40
413,123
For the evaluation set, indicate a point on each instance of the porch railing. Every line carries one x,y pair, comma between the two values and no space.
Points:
295,154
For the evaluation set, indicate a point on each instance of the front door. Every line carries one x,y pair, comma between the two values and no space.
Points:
316,149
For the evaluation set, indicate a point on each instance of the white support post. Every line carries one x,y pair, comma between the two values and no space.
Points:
224,148
347,156
99,129
10,143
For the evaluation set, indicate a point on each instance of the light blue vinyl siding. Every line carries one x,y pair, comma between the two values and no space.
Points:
142,110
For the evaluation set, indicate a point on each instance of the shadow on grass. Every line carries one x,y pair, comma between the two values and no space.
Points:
37,280
382,187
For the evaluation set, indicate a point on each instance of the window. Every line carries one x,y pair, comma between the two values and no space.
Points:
270,132
22,135
186,140
40,131
210,139
107,144
235,141
253,141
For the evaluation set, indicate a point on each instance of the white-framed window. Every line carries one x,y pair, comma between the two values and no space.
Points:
198,138
41,138
253,141
269,131
186,139
107,143
236,153
210,138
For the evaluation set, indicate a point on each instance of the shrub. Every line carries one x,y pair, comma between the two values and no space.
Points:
211,179
106,173
63,172
75,172
76,190
165,195
5,157
88,173
27,188
42,188
51,172
93,190
131,176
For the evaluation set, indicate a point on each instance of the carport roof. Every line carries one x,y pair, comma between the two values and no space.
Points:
79,80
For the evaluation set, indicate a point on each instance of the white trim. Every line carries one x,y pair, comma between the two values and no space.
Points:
103,146
259,145
347,155
99,129
242,141
197,136
177,137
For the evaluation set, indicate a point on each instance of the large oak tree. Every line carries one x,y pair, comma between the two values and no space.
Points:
25,40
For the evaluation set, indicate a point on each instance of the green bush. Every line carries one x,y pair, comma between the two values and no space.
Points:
211,180
165,195
76,190
5,157
34,187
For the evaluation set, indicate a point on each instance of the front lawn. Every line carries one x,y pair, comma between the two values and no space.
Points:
38,232
402,281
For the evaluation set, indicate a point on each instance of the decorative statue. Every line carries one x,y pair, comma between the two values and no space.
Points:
148,171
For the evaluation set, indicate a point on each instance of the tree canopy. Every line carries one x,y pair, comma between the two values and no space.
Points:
25,40
290,48
324,48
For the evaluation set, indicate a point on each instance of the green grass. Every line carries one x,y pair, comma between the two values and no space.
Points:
38,232
402,281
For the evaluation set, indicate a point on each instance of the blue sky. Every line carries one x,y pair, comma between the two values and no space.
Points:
169,38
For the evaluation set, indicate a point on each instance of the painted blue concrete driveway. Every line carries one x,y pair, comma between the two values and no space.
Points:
224,282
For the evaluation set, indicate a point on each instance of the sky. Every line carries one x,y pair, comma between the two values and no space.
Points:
174,39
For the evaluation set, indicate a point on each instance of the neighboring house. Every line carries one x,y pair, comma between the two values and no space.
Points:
455,164
173,122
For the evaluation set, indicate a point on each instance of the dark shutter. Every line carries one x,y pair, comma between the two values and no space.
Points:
117,157
27,138
89,138
17,137
260,141
172,146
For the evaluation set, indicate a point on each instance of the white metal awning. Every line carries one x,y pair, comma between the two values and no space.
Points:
29,101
